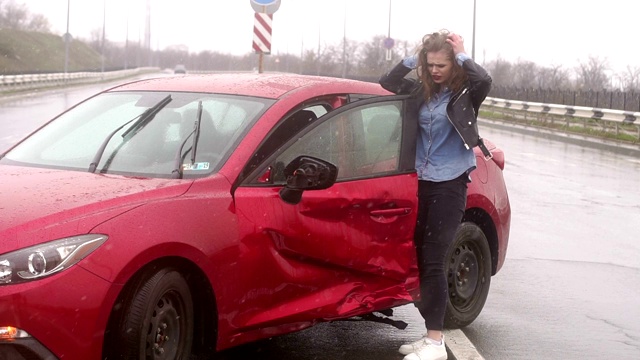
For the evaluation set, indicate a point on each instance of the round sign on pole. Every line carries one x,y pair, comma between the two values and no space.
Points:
265,6
388,43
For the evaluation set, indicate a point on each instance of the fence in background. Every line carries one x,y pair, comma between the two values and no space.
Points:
605,99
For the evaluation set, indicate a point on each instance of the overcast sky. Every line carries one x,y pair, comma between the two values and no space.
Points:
547,32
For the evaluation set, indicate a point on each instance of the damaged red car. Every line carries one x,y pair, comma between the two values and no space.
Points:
186,215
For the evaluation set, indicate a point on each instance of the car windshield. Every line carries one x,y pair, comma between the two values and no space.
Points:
120,133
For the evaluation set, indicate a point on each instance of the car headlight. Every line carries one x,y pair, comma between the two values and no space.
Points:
42,260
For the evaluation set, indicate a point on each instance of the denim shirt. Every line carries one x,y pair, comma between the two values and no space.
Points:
440,152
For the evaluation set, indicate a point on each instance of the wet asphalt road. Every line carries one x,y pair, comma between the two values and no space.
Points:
340,340
570,287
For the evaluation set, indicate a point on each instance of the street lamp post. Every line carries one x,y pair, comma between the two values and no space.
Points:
344,43
126,46
104,20
473,36
66,41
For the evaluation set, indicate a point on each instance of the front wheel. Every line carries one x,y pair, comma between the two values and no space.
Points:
157,321
468,269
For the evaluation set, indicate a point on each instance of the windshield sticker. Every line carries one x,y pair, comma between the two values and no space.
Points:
196,166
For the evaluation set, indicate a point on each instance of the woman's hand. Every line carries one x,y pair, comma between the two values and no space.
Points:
457,43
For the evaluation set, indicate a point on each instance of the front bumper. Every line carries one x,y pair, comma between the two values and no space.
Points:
24,349
64,314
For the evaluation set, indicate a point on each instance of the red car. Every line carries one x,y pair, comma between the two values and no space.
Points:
183,215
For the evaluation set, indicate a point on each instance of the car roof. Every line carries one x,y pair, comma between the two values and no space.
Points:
267,85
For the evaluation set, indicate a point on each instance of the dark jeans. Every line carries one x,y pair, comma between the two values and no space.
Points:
440,209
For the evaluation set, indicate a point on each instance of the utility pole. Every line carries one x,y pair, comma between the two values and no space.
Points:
147,33
473,36
66,41
104,21
344,43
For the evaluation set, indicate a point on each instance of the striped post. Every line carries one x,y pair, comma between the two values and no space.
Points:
262,33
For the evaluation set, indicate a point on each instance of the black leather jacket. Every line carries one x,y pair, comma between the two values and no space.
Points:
464,105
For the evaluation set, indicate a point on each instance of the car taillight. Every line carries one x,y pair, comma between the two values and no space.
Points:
498,158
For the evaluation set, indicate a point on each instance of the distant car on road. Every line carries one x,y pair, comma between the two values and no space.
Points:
180,69
175,216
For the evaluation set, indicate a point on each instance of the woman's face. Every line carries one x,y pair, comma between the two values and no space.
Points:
440,66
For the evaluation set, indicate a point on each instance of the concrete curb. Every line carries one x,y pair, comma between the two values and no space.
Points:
459,347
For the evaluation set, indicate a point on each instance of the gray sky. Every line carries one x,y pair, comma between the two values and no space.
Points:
547,32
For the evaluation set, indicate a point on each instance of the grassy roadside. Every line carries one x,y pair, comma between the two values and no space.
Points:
597,129
31,52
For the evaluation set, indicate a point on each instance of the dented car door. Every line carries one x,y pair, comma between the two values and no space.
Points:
340,251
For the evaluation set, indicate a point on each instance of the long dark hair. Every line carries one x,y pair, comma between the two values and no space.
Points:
435,42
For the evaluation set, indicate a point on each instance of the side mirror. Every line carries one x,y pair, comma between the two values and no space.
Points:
307,173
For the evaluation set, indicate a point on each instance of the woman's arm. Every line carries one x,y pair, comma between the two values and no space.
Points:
479,79
395,80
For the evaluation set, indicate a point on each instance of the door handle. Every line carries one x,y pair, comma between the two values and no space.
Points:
391,212
388,215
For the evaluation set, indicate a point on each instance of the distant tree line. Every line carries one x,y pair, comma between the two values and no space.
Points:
17,17
351,59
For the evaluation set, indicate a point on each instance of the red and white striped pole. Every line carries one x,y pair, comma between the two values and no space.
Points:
262,33
262,27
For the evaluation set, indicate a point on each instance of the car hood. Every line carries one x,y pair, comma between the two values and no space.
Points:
43,204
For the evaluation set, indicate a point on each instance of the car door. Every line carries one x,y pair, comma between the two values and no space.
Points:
340,251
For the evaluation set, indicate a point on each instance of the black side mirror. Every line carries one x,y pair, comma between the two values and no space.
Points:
307,173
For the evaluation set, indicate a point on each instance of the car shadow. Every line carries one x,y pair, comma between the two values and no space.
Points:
338,340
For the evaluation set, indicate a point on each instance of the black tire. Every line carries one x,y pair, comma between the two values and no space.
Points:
157,321
468,269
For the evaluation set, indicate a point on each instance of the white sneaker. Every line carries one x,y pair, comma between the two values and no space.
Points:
412,347
429,351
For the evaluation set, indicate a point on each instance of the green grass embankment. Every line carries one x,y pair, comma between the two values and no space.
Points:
29,52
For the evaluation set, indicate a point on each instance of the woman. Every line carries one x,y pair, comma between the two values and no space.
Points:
448,93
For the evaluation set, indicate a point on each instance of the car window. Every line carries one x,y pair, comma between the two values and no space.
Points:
155,149
362,142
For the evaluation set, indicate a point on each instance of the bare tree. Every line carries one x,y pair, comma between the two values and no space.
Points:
524,74
592,74
501,72
372,58
40,23
630,79
350,49
17,17
13,16
309,62
553,77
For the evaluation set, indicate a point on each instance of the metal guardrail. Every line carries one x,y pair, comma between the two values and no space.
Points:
34,81
621,116
606,120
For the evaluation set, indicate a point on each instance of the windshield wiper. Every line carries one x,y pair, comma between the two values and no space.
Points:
143,119
176,173
146,117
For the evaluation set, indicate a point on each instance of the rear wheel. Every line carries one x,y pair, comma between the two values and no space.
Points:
468,270
157,320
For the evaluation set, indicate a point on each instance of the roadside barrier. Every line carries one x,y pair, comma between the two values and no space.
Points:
607,120
34,81
621,116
